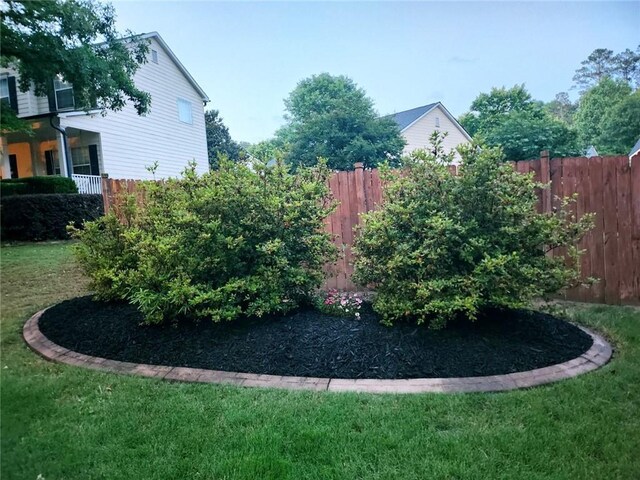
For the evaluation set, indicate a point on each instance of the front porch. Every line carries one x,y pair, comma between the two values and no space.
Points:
46,151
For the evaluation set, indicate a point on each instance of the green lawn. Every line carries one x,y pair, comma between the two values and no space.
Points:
63,422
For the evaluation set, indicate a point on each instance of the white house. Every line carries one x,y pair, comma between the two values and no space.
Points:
418,124
121,144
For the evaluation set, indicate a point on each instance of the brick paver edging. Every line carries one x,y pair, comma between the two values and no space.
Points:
595,357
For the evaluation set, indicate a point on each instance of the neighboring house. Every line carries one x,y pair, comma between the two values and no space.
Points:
121,144
635,150
591,152
418,124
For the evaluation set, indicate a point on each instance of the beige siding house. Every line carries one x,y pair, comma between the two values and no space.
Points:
121,144
418,124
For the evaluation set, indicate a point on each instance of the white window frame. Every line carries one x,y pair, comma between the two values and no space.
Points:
5,80
59,85
184,103
437,122
154,56
76,152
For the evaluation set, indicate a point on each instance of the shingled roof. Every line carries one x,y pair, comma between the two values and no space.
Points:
406,118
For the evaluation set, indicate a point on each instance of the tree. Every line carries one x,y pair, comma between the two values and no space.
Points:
620,126
562,108
593,107
219,141
524,135
599,64
522,126
75,40
331,117
489,109
628,66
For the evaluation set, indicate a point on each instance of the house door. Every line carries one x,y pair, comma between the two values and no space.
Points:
13,165
51,160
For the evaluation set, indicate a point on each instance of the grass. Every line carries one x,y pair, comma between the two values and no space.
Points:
63,422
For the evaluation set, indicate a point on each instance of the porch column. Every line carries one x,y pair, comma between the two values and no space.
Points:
62,155
34,146
6,166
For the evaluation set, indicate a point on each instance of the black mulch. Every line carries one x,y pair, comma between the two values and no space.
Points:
307,343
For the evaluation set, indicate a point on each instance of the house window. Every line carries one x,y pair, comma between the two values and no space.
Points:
154,56
51,162
438,122
64,94
4,89
184,111
81,161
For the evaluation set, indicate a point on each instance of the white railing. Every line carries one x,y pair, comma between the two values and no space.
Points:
88,183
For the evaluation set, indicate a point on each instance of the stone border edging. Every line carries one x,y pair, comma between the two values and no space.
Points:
598,355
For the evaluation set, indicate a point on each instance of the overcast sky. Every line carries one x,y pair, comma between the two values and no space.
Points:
249,56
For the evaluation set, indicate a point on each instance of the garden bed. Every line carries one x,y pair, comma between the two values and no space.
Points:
308,343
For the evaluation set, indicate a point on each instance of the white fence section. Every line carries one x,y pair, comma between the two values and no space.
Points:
88,183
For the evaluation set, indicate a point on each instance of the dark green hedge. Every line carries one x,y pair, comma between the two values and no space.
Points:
45,217
37,185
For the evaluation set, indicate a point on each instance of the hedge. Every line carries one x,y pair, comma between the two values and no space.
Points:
45,217
37,185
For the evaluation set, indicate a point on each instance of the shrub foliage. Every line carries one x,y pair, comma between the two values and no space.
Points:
45,217
37,185
445,244
229,243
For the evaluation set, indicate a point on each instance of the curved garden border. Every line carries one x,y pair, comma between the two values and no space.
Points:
598,355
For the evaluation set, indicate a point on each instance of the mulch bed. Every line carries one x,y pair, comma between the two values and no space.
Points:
308,343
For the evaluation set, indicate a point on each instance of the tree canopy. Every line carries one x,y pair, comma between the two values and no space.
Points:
602,63
331,117
593,107
77,41
219,141
511,118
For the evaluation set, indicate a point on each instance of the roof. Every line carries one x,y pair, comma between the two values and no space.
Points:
635,149
407,118
156,36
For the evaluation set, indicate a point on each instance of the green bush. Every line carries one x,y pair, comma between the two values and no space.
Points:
444,245
45,217
230,243
37,185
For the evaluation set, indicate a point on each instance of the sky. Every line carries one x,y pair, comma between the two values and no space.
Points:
249,56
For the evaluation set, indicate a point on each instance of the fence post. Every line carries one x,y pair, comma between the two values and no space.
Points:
106,191
359,180
545,177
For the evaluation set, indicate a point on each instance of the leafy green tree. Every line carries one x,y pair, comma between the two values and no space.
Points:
331,117
599,64
219,141
523,135
562,108
522,126
620,126
489,109
444,245
593,107
74,39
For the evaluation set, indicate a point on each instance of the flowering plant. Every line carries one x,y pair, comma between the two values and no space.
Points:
343,304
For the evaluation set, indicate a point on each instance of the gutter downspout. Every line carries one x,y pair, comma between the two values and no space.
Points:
64,145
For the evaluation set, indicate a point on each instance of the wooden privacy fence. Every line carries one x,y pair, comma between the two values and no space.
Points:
606,186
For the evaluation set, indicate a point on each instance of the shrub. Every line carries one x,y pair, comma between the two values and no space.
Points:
229,243
45,217
444,245
37,185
